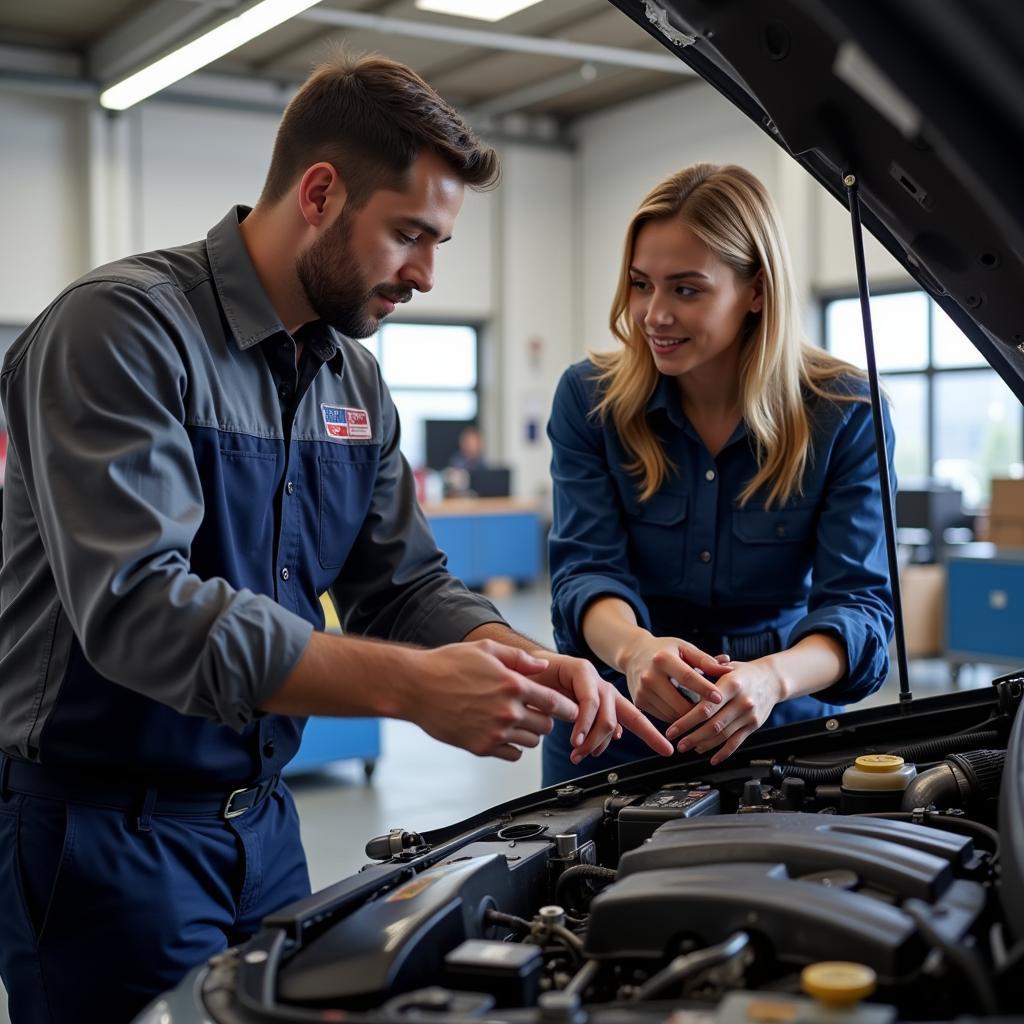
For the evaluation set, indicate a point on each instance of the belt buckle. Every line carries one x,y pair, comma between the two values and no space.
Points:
228,811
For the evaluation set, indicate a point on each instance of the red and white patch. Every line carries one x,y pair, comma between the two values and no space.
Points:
346,424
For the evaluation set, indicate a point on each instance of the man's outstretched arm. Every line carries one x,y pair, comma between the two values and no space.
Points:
482,696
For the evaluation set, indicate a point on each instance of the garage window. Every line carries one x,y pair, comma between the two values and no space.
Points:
431,370
955,419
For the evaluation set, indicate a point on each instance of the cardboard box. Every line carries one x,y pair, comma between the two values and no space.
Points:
1006,533
1007,503
1006,514
923,588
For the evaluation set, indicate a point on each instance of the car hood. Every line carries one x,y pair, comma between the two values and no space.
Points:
921,100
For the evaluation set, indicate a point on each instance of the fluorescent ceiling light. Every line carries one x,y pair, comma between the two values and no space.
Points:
210,46
484,10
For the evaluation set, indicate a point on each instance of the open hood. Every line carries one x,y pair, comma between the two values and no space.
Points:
921,100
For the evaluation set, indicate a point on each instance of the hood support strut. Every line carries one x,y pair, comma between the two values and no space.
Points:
888,508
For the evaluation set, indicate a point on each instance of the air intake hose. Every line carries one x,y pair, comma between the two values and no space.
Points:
962,780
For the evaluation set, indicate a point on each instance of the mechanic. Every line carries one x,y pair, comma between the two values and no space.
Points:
198,451
717,544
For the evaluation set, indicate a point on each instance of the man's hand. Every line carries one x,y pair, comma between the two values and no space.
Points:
749,692
656,666
603,711
485,697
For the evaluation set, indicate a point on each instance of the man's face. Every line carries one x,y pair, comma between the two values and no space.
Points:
369,260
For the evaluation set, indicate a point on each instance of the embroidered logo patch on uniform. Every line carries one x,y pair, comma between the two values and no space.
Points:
346,424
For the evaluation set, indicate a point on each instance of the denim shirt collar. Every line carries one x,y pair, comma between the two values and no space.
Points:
665,400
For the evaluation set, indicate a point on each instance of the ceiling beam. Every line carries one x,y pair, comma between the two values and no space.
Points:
47,73
538,92
33,60
566,49
148,34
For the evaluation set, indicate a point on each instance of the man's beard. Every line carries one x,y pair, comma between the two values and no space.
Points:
335,287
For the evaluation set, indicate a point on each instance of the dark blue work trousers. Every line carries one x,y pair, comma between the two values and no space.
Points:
98,916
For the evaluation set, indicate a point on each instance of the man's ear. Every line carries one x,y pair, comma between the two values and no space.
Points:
321,195
757,304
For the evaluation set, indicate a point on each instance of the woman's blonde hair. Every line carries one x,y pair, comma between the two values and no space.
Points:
731,212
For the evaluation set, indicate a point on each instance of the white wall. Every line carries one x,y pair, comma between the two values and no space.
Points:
44,185
193,164
534,325
835,268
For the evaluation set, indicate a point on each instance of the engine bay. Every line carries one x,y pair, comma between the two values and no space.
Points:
832,871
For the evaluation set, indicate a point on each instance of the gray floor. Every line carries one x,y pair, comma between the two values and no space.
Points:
422,784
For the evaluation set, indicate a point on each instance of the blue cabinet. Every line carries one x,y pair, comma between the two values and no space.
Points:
338,739
985,607
488,537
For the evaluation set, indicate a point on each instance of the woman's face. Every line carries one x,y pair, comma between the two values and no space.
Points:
687,303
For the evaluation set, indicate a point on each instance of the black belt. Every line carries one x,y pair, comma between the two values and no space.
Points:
739,646
31,779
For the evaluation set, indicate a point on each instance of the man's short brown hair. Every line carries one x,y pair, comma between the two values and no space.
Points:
370,117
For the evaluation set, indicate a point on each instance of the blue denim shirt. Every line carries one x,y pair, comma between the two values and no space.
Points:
691,559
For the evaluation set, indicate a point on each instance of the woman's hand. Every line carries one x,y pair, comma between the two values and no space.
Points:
656,667
749,691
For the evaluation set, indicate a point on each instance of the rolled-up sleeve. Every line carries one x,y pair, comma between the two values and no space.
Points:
95,404
588,545
850,595
395,584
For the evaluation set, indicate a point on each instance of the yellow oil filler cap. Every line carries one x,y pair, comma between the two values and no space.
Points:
879,762
839,982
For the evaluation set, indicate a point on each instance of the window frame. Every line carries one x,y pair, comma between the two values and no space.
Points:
477,326
930,372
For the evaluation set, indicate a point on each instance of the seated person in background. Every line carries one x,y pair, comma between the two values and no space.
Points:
716,491
470,453
466,458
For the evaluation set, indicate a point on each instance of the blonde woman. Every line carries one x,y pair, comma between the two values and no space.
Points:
717,545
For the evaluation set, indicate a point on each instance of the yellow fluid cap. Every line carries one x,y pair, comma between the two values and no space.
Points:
879,762
838,982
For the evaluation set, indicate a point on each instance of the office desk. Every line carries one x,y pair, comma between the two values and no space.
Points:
486,538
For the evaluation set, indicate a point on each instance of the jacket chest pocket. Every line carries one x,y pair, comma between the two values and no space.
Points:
237,532
772,552
657,531
345,482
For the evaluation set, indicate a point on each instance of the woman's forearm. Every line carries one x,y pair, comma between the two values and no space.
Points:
812,664
611,630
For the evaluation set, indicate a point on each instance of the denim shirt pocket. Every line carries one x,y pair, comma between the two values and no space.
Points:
773,551
657,530
346,480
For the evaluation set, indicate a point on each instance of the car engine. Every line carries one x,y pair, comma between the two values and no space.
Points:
849,876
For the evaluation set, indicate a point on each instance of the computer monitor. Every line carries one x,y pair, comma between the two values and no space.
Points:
493,482
441,440
929,507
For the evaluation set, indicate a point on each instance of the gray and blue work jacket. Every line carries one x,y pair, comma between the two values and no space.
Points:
179,493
